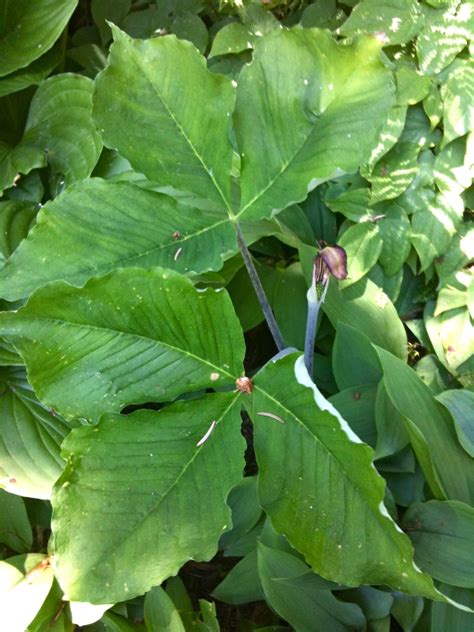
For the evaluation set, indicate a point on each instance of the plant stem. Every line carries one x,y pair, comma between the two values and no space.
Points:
314,303
259,291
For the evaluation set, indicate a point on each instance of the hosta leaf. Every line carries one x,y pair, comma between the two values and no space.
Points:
242,584
353,204
15,529
307,109
452,171
443,37
443,536
445,617
60,123
413,400
365,307
16,218
294,592
132,336
25,581
138,492
30,439
16,160
95,227
363,245
159,106
451,335
328,499
160,612
458,95
29,30
460,403
391,132
399,20
412,86
393,174
33,75
354,360
433,226
394,230
391,433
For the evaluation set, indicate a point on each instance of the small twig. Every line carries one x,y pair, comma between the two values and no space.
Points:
259,291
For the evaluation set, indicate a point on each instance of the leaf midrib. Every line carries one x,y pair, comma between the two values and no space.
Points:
181,129
320,442
163,497
58,321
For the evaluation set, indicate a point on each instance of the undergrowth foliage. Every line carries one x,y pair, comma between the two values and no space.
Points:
193,194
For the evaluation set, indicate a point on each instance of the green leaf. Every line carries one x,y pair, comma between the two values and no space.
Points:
391,433
392,175
353,203
406,611
323,122
363,245
15,529
60,123
450,334
452,171
328,499
191,27
30,439
25,581
391,132
433,226
458,95
28,31
443,536
460,404
108,10
356,404
242,584
246,511
399,20
95,227
131,336
160,612
178,114
368,309
147,500
443,37
445,617
114,623
236,37
394,230
16,219
294,592
412,86
354,360
32,75
413,400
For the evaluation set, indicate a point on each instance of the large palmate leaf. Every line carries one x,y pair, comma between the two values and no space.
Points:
430,422
132,336
96,226
328,499
160,107
28,30
60,123
30,438
144,492
307,109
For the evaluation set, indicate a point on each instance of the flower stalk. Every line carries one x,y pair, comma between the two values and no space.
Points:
330,261
259,291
